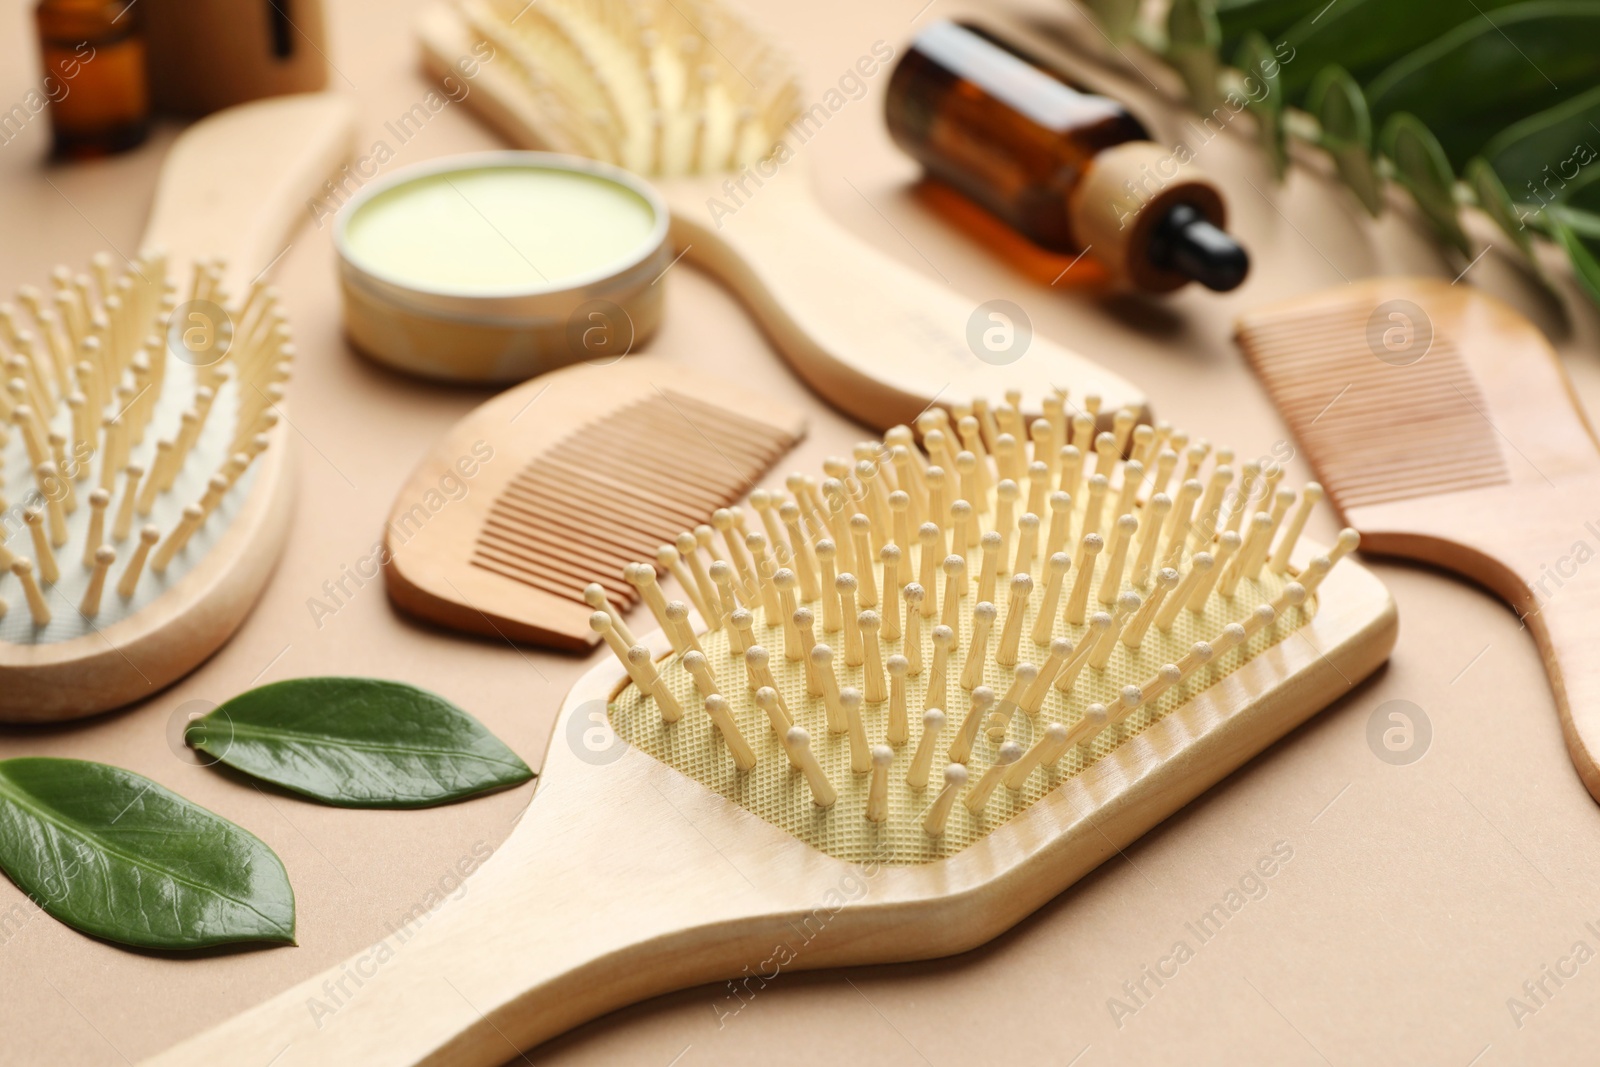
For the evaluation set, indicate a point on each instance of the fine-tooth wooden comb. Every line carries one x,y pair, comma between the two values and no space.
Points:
146,488
1446,431
687,93
565,479
955,683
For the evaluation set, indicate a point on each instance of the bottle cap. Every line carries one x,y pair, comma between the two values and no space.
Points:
1123,213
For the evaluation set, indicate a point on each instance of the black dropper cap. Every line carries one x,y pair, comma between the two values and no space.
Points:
1185,241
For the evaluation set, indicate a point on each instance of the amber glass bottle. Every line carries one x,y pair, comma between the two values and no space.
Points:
94,75
1069,169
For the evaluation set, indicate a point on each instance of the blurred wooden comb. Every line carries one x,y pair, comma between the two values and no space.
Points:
555,485
1445,430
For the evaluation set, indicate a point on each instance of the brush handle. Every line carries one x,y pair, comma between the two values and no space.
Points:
878,340
594,902
238,183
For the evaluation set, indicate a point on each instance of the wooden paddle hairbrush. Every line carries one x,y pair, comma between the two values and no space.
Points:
1445,430
142,451
519,522
685,92
950,688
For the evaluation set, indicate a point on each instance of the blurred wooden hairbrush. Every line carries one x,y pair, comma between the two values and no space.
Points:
144,456
687,94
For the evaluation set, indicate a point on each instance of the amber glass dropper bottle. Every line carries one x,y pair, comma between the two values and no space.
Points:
1070,170
94,75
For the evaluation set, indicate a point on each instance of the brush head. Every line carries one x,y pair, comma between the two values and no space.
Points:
146,489
135,409
661,87
989,660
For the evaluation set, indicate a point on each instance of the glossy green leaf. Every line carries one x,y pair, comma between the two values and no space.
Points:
358,743
1366,36
115,855
1341,111
1420,165
1263,89
1474,81
1192,43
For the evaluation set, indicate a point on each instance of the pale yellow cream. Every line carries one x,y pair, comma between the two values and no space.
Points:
499,229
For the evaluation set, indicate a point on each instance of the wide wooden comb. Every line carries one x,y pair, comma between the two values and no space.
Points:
1445,430
564,480
683,833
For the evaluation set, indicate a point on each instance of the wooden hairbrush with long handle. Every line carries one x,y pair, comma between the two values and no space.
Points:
684,92
1445,430
946,685
141,450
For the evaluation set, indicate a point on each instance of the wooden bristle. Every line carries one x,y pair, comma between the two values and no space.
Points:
985,674
102,411
638,85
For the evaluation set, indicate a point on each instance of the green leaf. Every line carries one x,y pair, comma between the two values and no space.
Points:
1585,222
1584,253
1583,198
1192,43
1549,157
1491,195
358,743
1420,165
1263,91
1341,110
1474,81
1238,18
113,854
1366,36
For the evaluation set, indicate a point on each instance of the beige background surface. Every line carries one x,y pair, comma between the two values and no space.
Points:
1418,899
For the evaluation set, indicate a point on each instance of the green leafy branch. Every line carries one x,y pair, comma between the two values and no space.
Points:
1493,103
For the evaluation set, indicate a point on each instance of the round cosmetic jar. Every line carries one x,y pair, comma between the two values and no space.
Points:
497,266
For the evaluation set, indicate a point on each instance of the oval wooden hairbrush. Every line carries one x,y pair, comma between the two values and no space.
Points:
143,453
684,92
1446,431
886,727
